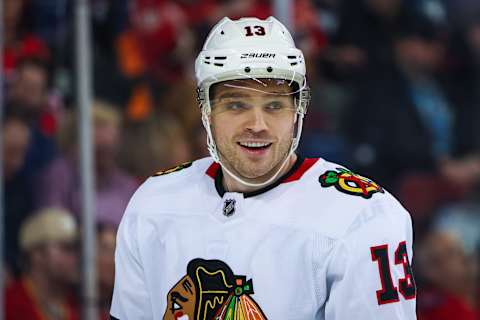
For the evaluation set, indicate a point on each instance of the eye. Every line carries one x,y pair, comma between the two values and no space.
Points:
236,106
275,105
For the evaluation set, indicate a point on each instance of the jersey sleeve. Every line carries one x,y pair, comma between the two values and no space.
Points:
369,274
130,295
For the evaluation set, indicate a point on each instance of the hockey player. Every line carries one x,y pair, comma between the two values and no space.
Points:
254,231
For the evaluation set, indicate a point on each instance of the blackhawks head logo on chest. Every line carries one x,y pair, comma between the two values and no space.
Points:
210,291
348,182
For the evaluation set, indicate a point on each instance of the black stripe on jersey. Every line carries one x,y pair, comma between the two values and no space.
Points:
221,190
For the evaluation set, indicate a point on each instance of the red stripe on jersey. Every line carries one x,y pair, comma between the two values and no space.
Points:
307,164
213,170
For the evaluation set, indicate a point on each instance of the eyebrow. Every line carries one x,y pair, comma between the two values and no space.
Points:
233,94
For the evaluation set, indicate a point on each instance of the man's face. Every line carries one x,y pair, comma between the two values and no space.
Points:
473,38
252,124
419,54
16,137
61,262
30,88
447,257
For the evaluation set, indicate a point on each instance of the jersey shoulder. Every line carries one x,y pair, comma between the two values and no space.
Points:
167,190
173,169
176,177
338,199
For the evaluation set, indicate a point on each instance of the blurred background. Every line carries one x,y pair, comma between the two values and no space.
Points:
396,97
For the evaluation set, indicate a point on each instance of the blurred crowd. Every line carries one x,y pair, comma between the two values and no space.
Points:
396,97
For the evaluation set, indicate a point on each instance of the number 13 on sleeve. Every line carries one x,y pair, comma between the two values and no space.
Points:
406,285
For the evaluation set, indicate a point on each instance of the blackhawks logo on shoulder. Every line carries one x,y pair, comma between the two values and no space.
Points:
173,169
348,182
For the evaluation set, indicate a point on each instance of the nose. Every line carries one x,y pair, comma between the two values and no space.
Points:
256,121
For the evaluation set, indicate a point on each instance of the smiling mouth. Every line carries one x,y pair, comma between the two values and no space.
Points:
255,146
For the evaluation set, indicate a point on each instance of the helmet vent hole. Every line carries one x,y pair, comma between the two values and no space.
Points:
218,64
220,58
222,33
247,69
269,69
293,63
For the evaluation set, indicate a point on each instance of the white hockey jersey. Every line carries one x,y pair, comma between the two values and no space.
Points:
321,243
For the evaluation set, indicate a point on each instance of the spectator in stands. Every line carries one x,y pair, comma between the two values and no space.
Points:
49,20
29,89
154,144
412,132
409,122
19,42
462,217
48,240
28,97
106,235
450,279
18,191
59,184
464,67
364,39
153,52
110,17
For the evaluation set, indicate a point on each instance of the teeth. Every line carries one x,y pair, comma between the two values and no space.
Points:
254,144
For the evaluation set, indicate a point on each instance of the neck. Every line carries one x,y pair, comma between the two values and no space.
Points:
232,185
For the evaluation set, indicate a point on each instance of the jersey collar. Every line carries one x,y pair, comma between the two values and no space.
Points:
300,166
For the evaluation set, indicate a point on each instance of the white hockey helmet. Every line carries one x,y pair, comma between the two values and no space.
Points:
250,48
